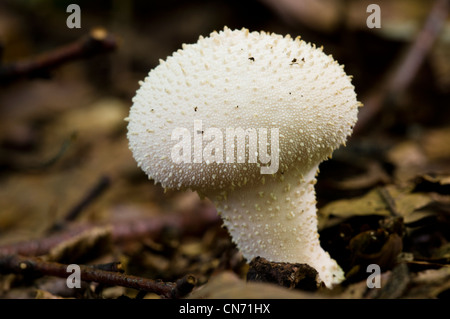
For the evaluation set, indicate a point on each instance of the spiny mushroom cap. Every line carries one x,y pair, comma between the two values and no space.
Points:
241,79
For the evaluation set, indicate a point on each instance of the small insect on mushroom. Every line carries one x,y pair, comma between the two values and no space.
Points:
271,214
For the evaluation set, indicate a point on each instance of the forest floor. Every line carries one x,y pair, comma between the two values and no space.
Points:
71,192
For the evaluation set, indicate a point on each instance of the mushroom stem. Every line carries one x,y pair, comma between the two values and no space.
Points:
264,223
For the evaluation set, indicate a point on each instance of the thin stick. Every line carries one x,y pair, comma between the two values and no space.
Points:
390,202
20,264
88,198
98,41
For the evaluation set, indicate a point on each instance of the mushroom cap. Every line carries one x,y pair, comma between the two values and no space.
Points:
240,79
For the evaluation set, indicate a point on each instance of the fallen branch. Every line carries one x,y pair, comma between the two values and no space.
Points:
34,265
98,41
102,184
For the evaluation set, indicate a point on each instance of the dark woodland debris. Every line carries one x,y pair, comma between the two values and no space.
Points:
83,247
113,266
228,285
184,286
379,246
433,183
188,223
69,246
421,163
98,41
397,284
37,266
103,183
375,247
297,276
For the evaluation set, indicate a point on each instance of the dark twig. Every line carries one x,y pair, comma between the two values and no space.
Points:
298,276
98,41
35,265
390,202
88,198
113,266
41,246
397,82
67,143
183,286
190,222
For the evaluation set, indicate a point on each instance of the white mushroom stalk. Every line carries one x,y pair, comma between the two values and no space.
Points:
245,118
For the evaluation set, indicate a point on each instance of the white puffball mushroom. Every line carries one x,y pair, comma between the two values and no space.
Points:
245,118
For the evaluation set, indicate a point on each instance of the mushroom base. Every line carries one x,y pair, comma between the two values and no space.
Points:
279,224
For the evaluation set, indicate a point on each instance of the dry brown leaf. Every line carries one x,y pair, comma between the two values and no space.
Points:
360,290
42,294
407,154
430,283
403,202
373,175
436,144
227,285
443,179
78,247
369,204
